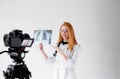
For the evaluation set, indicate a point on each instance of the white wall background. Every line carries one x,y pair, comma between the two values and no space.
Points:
96,27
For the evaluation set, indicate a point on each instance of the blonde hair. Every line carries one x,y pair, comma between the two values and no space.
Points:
71,40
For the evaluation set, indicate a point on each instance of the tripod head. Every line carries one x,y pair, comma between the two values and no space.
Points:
16,54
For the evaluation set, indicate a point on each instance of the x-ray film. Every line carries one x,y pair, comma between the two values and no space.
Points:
43,36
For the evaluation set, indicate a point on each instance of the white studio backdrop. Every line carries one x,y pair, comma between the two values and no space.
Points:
96,27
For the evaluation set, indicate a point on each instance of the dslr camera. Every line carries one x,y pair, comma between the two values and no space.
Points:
17,42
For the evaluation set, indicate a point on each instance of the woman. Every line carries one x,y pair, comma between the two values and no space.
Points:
67,50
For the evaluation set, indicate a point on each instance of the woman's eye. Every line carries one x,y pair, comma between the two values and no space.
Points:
64,30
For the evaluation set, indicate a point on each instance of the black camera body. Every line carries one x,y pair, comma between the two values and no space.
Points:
17,42
15,38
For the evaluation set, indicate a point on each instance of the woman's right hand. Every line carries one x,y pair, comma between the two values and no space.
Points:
41,46
41,49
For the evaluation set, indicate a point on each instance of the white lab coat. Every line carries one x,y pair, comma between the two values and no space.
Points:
63,69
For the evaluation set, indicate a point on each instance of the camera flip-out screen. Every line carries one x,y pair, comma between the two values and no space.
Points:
27,42
16,42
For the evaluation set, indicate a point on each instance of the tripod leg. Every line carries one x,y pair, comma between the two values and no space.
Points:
9,72
27,77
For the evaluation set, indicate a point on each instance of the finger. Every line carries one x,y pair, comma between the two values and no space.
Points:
53,46
40,44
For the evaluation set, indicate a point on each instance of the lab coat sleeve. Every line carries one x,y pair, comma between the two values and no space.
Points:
72,59
51,59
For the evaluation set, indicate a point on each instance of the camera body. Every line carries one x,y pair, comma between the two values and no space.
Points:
15,38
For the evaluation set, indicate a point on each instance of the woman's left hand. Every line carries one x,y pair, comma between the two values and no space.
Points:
60,51
56,48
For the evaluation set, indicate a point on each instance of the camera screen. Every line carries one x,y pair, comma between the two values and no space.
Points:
27,42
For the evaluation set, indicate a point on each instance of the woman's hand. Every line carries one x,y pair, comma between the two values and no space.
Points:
41,46
56,48
41,49
60,51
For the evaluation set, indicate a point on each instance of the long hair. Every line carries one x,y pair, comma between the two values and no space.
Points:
71,40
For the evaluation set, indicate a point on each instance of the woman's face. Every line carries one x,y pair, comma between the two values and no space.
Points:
64,33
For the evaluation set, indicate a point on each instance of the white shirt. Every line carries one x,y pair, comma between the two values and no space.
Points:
65,70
